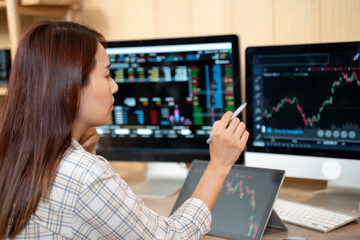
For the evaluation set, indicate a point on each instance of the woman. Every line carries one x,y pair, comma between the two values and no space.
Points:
52,185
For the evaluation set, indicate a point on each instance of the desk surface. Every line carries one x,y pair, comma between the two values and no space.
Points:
292,189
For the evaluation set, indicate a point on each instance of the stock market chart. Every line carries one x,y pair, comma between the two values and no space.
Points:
244,203
307,100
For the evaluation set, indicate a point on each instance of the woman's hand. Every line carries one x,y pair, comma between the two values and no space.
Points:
89,140
226,146
228,141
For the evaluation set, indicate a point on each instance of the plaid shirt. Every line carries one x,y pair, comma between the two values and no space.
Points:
89,200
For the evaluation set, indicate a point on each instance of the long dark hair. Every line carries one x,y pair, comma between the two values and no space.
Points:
52,64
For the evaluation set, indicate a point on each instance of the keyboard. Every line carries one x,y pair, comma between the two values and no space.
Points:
316,218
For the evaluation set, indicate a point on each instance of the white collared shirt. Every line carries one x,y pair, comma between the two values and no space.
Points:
89,200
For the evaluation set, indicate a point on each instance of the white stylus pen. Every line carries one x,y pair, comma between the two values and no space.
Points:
235,114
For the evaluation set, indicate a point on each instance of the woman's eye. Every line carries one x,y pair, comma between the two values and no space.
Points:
110,75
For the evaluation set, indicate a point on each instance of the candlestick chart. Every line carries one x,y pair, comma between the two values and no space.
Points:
344,79
245,201
312,105
244,192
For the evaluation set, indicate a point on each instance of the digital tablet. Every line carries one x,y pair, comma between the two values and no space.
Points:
245,203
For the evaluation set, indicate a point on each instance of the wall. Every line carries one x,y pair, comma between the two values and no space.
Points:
26,21
4,38
257,22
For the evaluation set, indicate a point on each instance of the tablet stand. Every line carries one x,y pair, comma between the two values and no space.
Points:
276,222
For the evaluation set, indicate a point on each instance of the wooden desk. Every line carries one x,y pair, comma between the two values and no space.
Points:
293,189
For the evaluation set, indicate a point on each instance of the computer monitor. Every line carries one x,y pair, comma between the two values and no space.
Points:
5,65
170,93
303,113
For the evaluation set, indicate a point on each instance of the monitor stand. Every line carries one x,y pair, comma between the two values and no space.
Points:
343,189
162,180
337,199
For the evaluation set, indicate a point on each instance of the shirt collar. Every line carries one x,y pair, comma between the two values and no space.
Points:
75,144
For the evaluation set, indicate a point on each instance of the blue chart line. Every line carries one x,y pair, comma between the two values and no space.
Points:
140,116
218,101
207,82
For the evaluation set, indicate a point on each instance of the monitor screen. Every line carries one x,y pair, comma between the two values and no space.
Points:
170,93
304,99
5,65
303,116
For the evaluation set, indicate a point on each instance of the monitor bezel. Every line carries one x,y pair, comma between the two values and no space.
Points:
288,49
166,154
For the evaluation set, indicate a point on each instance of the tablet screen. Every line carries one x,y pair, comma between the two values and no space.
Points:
245,202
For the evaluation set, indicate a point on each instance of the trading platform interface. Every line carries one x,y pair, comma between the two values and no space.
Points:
245,201
306,97
169,93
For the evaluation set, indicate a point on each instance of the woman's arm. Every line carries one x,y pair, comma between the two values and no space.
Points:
225,148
